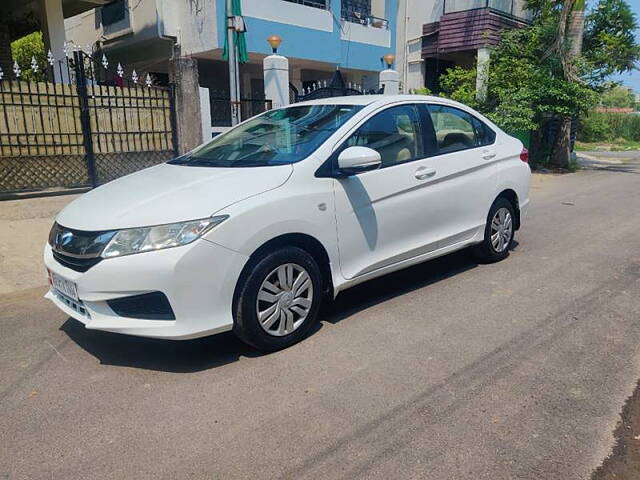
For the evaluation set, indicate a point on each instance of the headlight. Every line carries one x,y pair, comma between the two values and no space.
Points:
145,239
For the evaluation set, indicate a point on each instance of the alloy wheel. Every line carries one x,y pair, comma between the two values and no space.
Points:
501,229
284,299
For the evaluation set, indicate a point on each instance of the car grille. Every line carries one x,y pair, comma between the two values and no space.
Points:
76,249
77,264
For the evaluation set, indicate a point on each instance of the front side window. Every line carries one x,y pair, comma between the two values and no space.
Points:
454,128
394,133
277,137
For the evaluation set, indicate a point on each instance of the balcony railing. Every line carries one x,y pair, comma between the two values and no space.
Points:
323,4
513,8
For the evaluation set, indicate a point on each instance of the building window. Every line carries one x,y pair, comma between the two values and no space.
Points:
362,12
113,12
311,3
357,11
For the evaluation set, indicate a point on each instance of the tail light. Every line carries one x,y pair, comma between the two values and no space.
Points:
524,155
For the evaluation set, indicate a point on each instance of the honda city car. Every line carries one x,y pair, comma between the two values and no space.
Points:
252,230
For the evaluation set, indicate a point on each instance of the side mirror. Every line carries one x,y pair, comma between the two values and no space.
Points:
354,160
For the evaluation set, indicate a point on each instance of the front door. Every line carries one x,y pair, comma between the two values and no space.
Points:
383,216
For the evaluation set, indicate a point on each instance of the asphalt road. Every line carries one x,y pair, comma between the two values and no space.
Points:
449,370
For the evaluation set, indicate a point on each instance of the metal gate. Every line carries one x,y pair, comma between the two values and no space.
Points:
337,87
94,123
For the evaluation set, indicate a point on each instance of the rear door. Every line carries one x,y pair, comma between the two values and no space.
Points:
465,178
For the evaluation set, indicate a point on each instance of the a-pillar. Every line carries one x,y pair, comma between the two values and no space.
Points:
52,24
276,80
390,81
482,75
183,72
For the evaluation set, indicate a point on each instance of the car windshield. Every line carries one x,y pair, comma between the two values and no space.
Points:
277,137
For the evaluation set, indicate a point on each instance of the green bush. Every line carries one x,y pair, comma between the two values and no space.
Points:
607,127
26,48
594,128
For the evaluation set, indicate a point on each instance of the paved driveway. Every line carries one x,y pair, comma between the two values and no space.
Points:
449,370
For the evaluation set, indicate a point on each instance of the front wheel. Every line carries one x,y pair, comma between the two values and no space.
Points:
279,299
498,233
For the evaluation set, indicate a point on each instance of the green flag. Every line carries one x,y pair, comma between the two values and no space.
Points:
240,41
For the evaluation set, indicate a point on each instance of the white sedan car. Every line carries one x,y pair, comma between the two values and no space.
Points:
252,230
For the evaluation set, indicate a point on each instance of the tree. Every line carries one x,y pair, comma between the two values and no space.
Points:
524,91
568,47
617,97
539,74
609,43
24,49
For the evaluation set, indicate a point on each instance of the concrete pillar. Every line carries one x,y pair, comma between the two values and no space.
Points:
183,72
295,78
482,75
52,23
390,79
205,114
276,80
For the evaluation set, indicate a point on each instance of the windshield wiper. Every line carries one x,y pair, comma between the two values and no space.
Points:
194,162
250,163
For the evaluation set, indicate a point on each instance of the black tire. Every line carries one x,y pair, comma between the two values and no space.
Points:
246,324
486,252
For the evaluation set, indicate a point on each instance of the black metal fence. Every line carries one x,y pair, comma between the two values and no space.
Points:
336,87
84,124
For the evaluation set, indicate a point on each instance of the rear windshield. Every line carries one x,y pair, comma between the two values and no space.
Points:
277,137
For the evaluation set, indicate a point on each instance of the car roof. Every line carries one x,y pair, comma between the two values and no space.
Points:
370,99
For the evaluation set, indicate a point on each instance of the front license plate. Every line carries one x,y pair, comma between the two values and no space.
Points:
64,286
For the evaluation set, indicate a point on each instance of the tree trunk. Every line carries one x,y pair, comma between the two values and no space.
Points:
575,31
562,145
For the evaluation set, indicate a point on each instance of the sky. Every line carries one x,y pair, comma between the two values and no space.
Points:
632,79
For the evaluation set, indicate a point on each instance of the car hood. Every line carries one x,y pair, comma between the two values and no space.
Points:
168,193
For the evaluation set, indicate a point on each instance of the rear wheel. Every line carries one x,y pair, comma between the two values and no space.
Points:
498,233
279,299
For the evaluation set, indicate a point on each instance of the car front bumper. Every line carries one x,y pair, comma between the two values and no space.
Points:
198,280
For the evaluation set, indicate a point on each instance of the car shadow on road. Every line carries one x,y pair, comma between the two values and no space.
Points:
399,283
210,352
178,356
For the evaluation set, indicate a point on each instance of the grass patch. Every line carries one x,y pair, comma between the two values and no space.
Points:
619,145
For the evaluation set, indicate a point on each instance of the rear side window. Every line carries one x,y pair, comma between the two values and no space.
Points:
484,134
454,128
394,133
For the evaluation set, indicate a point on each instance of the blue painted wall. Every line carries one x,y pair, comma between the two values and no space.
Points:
316,45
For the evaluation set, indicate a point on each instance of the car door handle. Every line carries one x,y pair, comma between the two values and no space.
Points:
488,154
424,172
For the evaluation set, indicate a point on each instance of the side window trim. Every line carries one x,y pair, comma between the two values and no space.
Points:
428,131
328,167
